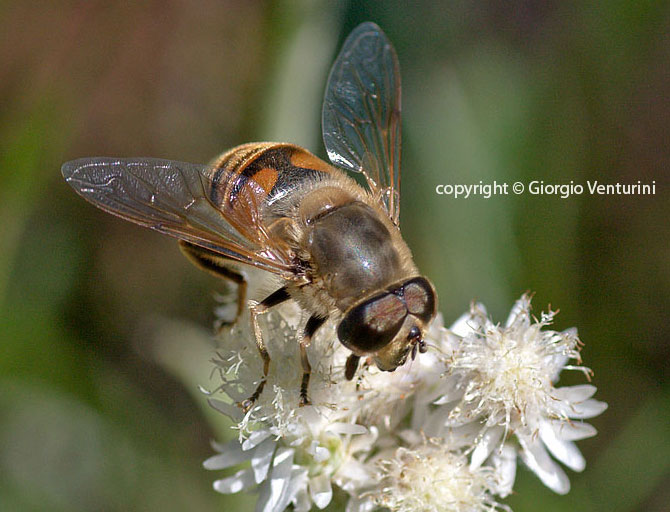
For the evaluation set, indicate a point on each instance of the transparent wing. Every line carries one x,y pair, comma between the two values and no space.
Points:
175,198
361,113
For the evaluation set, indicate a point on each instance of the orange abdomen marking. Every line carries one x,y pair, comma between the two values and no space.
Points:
252,176
266,178
261,172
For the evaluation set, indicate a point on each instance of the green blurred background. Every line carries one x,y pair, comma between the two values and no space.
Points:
104,326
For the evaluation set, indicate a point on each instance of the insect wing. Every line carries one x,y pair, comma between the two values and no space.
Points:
361,113
172,197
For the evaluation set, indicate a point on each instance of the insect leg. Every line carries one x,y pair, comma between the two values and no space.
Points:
257,308
351,366
216,264
313,324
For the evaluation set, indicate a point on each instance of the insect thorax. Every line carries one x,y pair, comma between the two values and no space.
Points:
353,252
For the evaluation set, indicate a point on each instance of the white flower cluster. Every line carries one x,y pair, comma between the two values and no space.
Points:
442,433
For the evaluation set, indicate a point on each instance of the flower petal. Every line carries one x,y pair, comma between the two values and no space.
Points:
572,430
274,494
312,419
444,399
298,493
504,463
302,502
346,428
357,504
583,410
350,475
262,457
464,325
574,394
564,451
571,331
365,441
230,410
320,490
230,454
461,437
519,311
240,481
255,438
557,362
538,460
485,446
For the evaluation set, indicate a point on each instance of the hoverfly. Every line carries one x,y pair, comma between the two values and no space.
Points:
275,206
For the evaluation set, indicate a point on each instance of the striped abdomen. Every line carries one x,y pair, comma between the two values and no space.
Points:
260,174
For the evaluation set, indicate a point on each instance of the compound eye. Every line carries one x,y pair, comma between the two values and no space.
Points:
420,298
372,325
